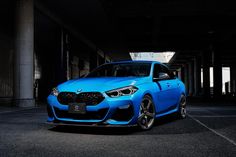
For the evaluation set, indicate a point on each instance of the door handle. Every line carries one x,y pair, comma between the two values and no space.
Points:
168,84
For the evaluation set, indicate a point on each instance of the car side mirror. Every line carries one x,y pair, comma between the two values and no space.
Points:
161,76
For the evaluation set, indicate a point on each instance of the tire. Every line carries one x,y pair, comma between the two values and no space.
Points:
182,112
146,113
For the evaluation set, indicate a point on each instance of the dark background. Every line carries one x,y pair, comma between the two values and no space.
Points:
46,42
73,37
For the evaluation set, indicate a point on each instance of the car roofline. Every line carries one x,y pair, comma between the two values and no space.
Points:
139,61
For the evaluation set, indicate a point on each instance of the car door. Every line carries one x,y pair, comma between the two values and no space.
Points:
173,85
164,88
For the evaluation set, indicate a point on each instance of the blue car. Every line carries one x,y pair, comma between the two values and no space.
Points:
123,93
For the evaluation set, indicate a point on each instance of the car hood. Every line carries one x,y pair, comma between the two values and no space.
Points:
100,84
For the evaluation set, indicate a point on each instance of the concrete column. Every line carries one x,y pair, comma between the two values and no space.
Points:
182,74
217,74
179,73
206,60
186,78
197,75
64,56
191,78
233,79
24,48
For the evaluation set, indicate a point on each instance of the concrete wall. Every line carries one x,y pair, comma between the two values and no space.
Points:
60,53
80,54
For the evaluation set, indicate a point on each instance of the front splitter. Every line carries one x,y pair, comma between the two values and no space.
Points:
88,125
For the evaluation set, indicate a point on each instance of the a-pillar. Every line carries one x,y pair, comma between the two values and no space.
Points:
197,75
206,61
24,54
217,74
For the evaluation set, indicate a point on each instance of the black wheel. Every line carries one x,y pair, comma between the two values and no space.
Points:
146,113
182,112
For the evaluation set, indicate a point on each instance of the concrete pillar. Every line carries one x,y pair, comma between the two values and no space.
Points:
178,74
206,60
197,75
182,74
233,79
217,74
191,78
186,78
24,48
64,58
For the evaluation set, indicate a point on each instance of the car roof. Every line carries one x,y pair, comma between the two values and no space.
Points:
129,61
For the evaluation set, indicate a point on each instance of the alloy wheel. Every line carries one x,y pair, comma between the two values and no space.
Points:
146,113
183,111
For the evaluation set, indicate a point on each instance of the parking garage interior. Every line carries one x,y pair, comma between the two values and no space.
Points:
44,43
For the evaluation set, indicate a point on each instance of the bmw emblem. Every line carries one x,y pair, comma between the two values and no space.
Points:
79,90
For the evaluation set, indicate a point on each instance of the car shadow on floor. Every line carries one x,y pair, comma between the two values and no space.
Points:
165,125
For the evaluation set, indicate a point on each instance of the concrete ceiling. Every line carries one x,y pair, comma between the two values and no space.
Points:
119,26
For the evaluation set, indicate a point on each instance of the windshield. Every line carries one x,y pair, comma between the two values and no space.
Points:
122,70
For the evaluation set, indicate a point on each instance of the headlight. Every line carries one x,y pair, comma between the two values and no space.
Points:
122,91
55,92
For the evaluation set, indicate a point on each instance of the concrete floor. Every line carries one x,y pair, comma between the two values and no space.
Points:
207,131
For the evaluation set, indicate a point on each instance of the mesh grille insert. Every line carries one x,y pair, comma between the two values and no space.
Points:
90,98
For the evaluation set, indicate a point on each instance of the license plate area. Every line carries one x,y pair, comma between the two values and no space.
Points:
77,108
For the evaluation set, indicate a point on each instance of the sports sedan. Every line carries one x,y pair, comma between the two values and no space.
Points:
118,94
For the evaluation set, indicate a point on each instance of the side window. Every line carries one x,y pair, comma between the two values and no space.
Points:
156,71
165,70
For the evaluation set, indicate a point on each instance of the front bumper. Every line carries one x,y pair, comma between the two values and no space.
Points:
89,125
111,111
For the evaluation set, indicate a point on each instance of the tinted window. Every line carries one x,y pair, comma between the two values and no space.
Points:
122,70
157,70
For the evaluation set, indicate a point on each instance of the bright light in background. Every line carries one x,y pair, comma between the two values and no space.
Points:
225,77
211,77
163,57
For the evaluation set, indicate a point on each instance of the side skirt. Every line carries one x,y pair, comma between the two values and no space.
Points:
168,111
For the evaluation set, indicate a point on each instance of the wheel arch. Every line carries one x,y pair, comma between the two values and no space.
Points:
184,94
153,100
